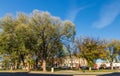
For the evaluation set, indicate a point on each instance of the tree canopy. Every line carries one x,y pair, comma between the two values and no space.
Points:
91,49
37,35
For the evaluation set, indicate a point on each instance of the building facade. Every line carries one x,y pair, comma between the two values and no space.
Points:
74,62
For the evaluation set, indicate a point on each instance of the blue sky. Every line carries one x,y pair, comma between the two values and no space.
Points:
96,18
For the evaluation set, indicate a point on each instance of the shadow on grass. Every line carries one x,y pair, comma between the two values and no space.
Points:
111,74
28,74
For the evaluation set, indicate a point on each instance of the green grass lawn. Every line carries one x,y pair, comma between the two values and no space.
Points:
101,70
60,70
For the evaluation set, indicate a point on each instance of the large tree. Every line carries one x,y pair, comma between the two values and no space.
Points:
114,48
38,36
7,39
91,49
51,33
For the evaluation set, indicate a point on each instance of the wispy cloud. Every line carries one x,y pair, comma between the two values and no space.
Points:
73,13
108,14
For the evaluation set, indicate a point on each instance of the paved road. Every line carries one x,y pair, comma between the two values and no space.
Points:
29,74
43,74
111,74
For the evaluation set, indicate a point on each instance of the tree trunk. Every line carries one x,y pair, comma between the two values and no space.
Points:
36,64
16,65
44,65
111,65
72,65
11,67
89,68
71,62
23,65
79,64
28,66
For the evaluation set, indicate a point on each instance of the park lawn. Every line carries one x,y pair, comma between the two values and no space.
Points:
101,70
59,70
19,70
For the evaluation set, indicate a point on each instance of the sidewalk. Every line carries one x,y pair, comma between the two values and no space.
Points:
74,73
67,72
